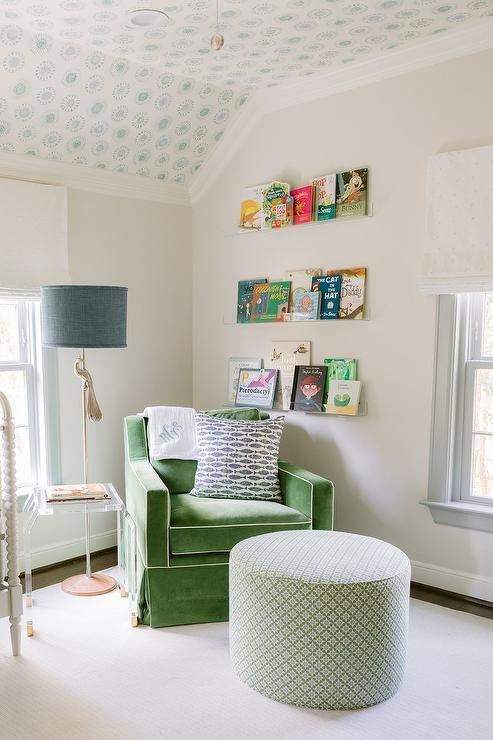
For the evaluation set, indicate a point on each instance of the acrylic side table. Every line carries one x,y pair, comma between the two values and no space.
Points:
36,505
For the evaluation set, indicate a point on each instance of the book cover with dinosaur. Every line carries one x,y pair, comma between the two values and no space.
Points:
352,300
343,397
278,302
245,299
330,288
285,356
256,388
260,301
351,193
301,281
234,366
324,197
252,216
302,204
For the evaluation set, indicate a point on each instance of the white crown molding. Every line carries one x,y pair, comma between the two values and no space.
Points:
19,167
436,50
247,117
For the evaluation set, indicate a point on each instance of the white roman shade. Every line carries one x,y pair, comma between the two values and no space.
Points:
33,235
459,234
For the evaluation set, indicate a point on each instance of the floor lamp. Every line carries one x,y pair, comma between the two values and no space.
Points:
86,317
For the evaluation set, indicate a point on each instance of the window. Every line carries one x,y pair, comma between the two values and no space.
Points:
22,382
476,474
461,467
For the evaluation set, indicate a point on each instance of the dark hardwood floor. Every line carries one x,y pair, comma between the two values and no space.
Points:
452,601
59,571
107,558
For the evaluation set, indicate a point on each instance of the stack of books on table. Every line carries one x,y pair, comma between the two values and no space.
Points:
76,493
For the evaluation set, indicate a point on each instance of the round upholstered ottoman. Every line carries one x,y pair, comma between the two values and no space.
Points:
319,619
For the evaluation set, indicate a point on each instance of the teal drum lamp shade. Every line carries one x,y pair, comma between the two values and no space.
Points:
84,316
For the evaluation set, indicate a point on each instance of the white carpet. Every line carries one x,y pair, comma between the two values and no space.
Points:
88,674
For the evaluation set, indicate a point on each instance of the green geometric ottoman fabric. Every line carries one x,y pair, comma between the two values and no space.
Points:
319,619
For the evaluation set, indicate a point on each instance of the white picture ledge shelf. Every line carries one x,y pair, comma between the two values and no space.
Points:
304,322
362,411
310,225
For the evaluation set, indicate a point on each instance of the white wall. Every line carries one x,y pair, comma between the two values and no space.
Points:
379,463
147,247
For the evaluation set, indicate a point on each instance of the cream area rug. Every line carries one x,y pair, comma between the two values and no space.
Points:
87,674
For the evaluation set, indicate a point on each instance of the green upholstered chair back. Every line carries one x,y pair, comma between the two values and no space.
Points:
179,475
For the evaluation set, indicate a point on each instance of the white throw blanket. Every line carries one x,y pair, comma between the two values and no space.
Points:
171,433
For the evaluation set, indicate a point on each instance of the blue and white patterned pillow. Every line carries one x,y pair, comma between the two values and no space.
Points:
238,459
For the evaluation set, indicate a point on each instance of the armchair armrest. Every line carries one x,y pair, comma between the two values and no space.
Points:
147,498
308,493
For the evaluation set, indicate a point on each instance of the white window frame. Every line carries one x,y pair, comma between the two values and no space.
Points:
458,356
40,368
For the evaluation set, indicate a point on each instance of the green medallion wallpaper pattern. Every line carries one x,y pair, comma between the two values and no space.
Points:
79,85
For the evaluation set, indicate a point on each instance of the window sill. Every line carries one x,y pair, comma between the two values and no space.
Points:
462,514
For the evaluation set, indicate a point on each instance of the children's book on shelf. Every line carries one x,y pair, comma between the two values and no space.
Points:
256,387
278,303
285,356
330,288
343,397
252,216
302,204
308,388
352,193
245,299
260,301
234,366
301,281
340,369
78,492
344,368
276,194
306,306
324,197
282,212
352,300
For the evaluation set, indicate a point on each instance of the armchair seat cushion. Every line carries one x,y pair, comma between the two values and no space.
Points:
206,525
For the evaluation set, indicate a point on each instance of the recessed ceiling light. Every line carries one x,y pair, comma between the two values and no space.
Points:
147,18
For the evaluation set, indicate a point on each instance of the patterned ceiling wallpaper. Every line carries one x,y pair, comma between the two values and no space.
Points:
79,85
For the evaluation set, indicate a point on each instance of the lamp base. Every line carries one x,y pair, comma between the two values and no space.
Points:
83,585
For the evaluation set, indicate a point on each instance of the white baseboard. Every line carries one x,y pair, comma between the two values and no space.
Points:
479,587
57,552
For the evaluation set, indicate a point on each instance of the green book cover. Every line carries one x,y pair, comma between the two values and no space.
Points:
278,303
340,369
273,194
352,189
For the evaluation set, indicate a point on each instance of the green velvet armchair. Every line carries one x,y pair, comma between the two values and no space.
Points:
183,542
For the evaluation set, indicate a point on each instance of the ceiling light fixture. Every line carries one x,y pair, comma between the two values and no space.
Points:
217,39
147,18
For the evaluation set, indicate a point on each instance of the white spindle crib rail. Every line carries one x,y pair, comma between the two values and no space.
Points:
10,585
